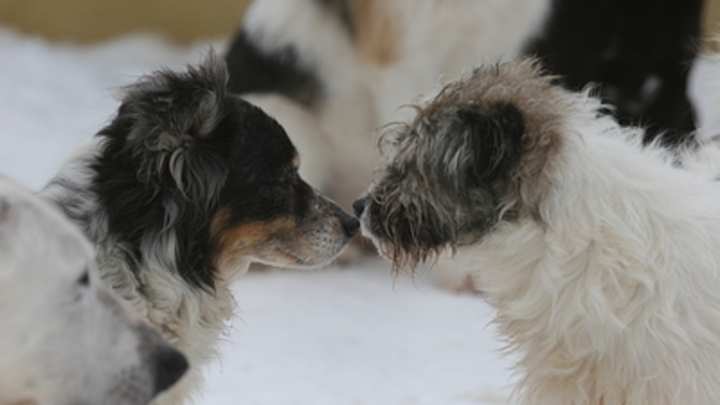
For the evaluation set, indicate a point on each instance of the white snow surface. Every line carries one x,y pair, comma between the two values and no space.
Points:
351,335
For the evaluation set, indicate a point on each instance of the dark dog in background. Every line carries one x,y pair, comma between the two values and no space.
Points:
181,192
638,52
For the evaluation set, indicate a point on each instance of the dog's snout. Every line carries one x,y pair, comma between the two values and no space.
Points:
350,225
359,206
170,366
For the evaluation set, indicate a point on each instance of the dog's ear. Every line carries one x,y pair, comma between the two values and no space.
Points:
174,106
170,105
165,122
493,137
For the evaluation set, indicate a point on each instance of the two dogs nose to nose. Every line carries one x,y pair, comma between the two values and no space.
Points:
352,225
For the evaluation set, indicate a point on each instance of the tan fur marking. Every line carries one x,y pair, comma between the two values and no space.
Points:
296,160
377,31
248,241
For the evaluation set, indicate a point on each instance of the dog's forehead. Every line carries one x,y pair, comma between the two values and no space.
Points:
37,236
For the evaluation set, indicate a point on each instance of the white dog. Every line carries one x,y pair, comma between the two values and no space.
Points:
64,340
601,255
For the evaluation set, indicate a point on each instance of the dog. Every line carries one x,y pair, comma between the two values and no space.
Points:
600,254
333,71
64,338
181,192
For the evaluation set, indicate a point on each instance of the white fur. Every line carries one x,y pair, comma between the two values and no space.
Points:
612,297
62,342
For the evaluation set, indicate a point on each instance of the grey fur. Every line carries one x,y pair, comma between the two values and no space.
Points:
473,156
166,125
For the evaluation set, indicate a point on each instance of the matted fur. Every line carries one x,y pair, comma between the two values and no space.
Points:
601,256
65,339
183,190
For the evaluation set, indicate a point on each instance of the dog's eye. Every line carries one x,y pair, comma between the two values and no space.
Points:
84,279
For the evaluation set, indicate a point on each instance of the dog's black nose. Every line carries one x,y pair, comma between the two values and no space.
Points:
359,206
351,226
170,365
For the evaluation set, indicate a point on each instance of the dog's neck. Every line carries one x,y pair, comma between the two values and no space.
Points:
618,230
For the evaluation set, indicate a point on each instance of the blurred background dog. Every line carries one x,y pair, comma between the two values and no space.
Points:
333,71
65,339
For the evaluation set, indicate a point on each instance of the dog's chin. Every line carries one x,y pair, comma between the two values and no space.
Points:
286,258
367,233
402,259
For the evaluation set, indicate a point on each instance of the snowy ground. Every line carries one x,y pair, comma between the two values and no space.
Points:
352,336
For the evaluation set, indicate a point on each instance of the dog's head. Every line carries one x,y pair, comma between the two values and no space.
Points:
64,339
196,179
474,155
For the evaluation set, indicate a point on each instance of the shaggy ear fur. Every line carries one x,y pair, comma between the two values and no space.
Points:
170,114
485,143
168,150
494,140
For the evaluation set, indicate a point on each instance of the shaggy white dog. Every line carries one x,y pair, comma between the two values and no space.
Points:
601,256
64,340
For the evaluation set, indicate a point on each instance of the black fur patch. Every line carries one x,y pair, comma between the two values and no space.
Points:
180,148
495,136
621,45
254,70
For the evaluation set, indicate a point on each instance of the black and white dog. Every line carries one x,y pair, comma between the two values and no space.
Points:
181,192
600,254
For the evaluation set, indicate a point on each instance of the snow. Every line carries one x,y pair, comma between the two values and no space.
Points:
345,335
353,335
